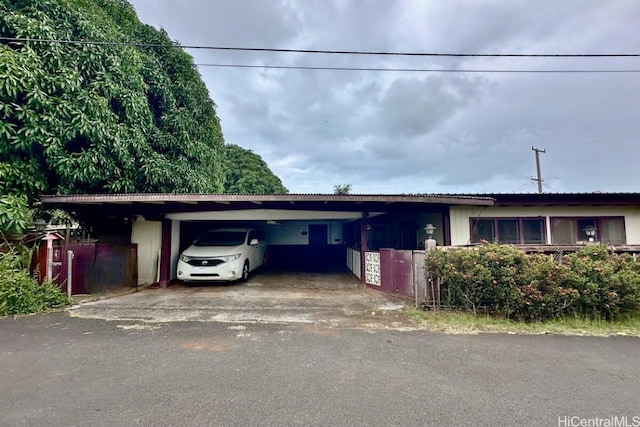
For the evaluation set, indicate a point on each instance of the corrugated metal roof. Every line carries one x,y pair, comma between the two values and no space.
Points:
196,198
586,193
594,198
362,202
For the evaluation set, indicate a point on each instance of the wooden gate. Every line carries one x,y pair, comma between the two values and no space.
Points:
96,267
396,272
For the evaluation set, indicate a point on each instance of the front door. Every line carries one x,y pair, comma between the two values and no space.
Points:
318,235
408,237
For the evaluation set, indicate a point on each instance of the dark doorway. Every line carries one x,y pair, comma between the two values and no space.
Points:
316,256
408,238
318,235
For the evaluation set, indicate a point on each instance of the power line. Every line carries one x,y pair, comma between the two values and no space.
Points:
334,52
417,70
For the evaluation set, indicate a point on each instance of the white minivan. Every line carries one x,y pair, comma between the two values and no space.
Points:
223,254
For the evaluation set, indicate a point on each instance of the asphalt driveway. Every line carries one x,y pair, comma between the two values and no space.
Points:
329,298
59,370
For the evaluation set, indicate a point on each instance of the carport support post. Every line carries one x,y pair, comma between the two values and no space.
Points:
165,253
69,273
363,246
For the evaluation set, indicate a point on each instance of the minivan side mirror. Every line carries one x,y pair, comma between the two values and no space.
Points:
253,242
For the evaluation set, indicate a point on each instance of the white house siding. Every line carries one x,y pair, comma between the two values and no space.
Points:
148,236
297,232
335,233
289,233
460,215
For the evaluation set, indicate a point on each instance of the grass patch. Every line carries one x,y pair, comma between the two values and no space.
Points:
454,322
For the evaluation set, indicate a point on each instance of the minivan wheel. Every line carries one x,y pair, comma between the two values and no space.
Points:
245,271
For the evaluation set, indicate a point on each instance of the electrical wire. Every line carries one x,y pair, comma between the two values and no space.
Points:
414,70
333,52
347,52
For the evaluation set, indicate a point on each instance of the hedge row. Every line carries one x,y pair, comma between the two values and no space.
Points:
593,282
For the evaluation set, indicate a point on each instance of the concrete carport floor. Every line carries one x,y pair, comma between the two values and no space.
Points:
329,298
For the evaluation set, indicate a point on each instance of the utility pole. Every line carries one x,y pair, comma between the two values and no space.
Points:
539,178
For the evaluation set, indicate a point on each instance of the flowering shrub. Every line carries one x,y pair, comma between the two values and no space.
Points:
592,282
609,284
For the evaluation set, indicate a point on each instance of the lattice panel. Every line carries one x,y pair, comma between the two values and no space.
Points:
372,268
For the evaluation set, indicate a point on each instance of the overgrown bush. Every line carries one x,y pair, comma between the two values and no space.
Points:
546,286
593,282
20,293
15,217
609,284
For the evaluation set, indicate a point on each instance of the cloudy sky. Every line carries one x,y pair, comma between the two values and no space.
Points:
423,131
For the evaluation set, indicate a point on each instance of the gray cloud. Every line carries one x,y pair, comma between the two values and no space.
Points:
412,107
423,132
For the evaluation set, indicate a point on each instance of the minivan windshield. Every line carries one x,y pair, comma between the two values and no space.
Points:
221,238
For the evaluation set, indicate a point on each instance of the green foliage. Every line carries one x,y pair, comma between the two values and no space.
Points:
342,189
246,173
593,282
20,293
15,216
482,277
608,285
546,288
59,217
78,118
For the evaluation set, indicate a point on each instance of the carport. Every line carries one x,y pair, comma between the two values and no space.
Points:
315,232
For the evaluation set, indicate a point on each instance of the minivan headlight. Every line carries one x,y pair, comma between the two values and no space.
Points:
230,257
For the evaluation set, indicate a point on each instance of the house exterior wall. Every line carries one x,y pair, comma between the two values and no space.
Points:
434,219
297,233
460,217
287,234
148,236
335,233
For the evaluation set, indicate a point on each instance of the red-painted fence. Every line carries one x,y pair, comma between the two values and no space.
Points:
96,267
399,272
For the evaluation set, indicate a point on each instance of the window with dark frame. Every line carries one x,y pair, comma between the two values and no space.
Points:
508,230
571,230
482,229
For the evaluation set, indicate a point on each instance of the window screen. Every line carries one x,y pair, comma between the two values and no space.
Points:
482,229
563,231
508,231
533,231
569,231
613,231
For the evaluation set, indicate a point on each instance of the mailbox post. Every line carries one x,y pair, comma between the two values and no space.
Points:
50,238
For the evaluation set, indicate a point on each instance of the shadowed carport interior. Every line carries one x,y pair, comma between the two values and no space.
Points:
317,256
305,232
